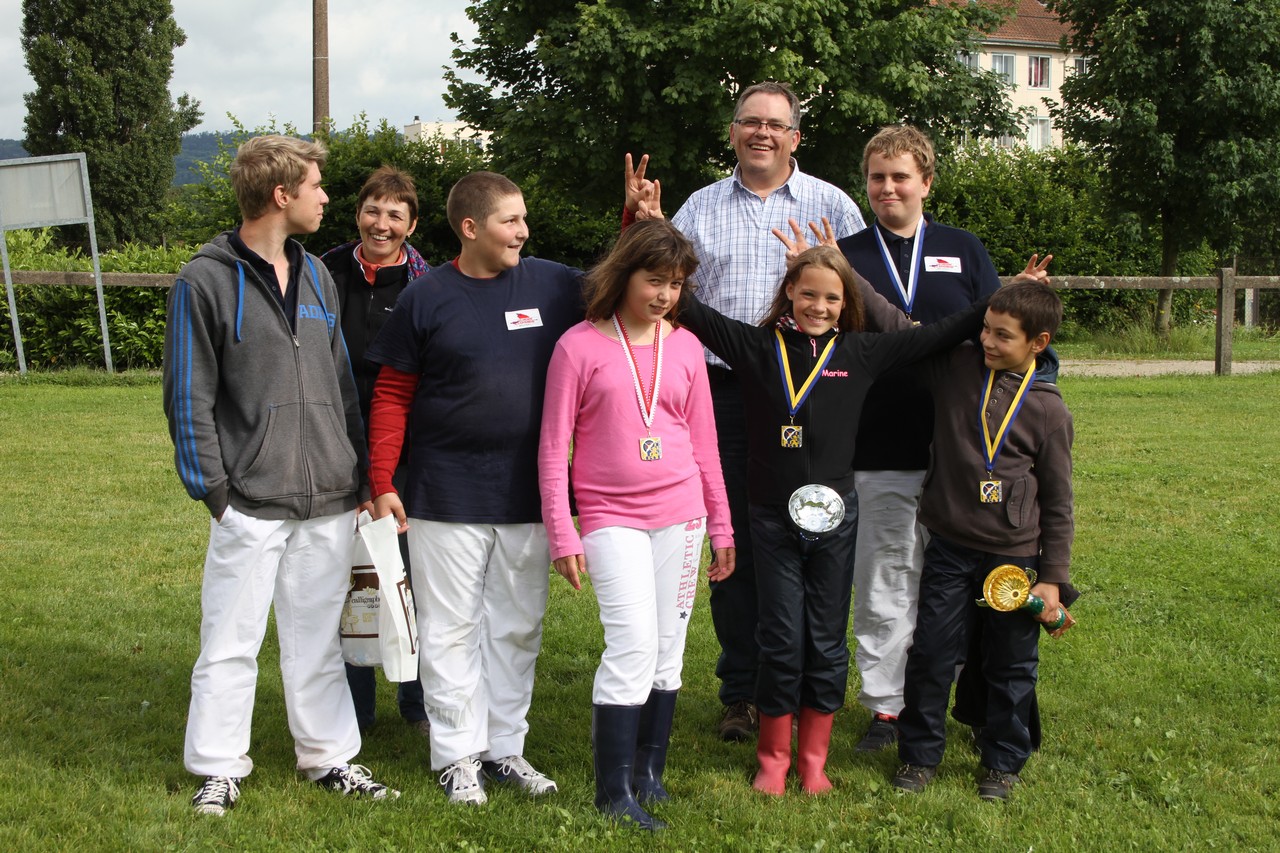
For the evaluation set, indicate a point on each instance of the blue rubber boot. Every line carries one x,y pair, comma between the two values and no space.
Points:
651,746
613,746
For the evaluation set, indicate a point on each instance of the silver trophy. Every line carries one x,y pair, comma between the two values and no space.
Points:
816,508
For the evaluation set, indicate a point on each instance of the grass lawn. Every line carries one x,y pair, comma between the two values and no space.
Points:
1162,729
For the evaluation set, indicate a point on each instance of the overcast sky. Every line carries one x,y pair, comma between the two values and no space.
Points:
253,59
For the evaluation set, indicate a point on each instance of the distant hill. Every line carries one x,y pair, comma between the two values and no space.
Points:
11,149
195,146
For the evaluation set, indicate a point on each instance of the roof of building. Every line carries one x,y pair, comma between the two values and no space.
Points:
1031,23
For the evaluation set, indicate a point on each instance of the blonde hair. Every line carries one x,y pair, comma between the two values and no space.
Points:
896,140
266,162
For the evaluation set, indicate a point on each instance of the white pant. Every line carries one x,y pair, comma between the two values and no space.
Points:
645,581
304,567
888,560
481,591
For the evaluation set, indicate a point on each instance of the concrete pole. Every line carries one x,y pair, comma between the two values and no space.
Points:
319,64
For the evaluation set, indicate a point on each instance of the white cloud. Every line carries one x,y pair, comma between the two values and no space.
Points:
253,60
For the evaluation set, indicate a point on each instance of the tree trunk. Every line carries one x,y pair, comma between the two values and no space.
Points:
1168,269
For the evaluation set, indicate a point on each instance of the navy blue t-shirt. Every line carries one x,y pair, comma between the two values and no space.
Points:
481,349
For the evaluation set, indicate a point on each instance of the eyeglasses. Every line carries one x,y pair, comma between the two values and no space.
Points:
753,125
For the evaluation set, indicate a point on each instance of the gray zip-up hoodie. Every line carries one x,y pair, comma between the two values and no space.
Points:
262,417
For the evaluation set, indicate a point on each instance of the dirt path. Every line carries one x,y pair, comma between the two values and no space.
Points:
1134,367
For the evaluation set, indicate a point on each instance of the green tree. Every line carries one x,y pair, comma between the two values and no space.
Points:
569,87
1182,100
102,72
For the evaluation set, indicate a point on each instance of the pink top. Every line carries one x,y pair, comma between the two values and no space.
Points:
591,399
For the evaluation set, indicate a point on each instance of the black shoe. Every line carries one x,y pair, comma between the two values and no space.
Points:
354,780
882,733
740,721
913,777
216,795
997,784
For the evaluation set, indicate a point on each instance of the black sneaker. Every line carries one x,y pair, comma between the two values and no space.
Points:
913,777
997,784
740,721
355,779
216,795
882,733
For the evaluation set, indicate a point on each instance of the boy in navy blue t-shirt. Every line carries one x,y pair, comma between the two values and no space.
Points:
464,355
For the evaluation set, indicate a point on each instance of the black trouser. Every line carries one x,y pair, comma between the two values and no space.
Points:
1009,659
733,601
804,585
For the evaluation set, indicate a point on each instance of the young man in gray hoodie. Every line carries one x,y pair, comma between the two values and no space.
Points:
266,427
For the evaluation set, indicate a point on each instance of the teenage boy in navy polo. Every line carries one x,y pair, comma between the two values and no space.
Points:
464,360
999,495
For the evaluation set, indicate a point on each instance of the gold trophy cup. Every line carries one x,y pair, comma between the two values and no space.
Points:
1008,588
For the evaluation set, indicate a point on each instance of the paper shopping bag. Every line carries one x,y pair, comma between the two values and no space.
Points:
397,622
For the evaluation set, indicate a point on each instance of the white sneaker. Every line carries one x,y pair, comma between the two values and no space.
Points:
462,784
216,795
514,770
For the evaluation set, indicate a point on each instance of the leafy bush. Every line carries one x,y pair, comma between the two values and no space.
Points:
60,325
1019,201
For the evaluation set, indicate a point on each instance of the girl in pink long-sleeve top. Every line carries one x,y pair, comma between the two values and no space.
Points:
627,388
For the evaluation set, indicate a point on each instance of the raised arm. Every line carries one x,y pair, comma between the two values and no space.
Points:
642,197
1036,270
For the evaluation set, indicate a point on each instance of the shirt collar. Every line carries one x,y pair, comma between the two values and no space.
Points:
795,171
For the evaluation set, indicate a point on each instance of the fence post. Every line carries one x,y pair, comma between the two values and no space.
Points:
1226,321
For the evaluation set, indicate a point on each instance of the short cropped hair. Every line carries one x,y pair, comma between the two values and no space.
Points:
266,162
1036,306
655,245
852,316
476,196
392,184
896,140
771,87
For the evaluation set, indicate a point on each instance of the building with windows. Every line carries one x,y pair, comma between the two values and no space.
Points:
1028,51
448,132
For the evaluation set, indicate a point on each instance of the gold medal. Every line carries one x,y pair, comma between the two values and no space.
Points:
990,491
792,436
650,448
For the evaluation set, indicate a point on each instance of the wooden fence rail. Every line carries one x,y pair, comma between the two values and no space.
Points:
1225,283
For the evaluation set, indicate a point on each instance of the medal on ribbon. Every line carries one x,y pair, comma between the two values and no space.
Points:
907,291
792,435
650,445
991,490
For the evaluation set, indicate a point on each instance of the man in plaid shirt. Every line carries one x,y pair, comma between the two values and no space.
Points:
731,224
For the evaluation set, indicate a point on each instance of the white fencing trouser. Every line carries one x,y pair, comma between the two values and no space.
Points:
481,591
645,581
888,561
304,567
